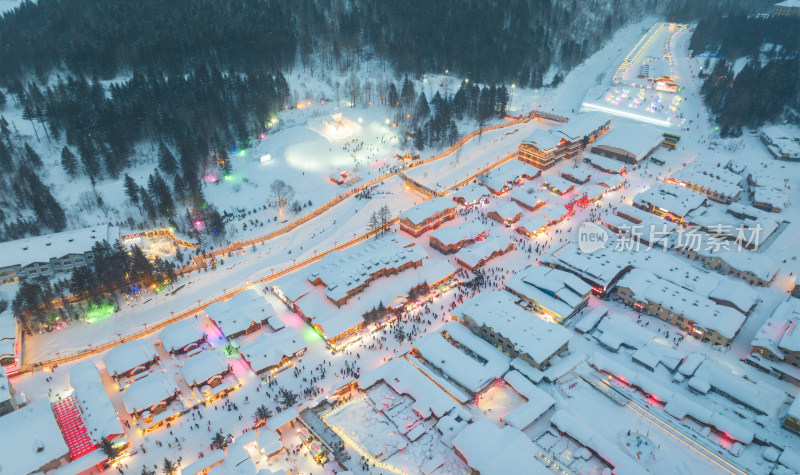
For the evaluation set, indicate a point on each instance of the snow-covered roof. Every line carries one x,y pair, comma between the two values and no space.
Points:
678,405
785,140
508,173
609,180
82,464
794,408
601,266
591,319
148,392
762,397
507,210
8,325
471,193
490,450
538,401
544,139
718,180
554,289
482,250
443,350
239,312
559,183
635,139
97,411
55,245
651,228
605,163
426,209
404,378
708,315
577,172
582,125
282,418
345,270
212,458
451,235
653,353
775,197
736,292
180,334
390,291
30,438
530,334
276,323
673,198
533,223
270,348
680,272
129,355
201,367
790,4
552,212
613,333
736,221
530,197
772,333
340,322
585,434
790,341
593,191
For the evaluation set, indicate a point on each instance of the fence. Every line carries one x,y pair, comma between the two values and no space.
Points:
199,261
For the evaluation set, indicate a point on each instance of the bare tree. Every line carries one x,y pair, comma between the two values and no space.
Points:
353,89
281,195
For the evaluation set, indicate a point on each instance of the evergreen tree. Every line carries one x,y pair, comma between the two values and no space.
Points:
147,203
287,397
502,99
169,467
407,93
392,97
179,187
160,194
166,160
108,449
89,159
32,157
452,133
141,269
421,110
419,140
261,414
132,190
69,162
225,162
6,160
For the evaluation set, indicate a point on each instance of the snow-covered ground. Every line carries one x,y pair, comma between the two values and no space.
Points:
626,422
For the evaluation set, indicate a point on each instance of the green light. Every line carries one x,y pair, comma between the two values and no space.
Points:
311,335
228,178
241,153
99,312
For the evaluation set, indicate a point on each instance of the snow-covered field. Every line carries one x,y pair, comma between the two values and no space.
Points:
627,422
